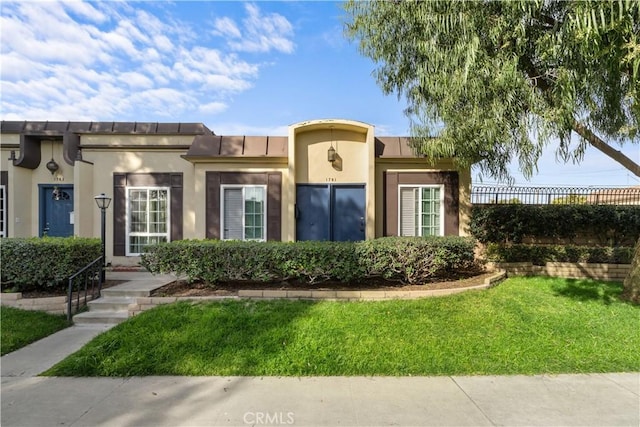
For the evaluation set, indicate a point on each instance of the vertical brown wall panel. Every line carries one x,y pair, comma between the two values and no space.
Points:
176,206
119,214
4,180
274,206
391,203
212,203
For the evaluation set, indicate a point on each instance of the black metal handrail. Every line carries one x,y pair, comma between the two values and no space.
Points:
91,274
481,194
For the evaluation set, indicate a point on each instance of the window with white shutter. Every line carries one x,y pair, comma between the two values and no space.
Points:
421,210
244,212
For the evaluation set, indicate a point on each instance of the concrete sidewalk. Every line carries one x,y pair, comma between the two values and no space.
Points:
546,400
563,400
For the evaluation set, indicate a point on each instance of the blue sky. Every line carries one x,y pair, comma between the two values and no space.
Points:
240,68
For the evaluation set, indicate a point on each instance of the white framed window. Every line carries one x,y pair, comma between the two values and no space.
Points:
148,217
3,211
243,212
421,210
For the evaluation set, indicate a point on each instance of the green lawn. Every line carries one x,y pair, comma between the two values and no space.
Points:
522,326
22,327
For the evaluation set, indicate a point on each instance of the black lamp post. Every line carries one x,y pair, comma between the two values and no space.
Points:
103,203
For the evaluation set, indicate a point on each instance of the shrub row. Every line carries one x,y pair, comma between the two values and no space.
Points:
409,260
608,225
541,254
44,263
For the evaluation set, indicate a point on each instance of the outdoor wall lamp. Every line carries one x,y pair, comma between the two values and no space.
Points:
51,164
103,202
331,153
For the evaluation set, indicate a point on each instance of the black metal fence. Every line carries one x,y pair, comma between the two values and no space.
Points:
481,194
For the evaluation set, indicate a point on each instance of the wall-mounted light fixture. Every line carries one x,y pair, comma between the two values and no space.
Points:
331,153
51,164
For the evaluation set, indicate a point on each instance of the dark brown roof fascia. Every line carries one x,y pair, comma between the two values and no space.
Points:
123,128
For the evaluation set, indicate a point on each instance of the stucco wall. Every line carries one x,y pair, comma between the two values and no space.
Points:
355,148
106,155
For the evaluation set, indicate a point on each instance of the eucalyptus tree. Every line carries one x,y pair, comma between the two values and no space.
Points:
497,81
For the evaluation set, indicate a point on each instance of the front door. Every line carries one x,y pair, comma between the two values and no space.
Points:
56,210
330,212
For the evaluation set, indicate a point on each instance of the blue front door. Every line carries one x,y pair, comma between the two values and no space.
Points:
330,212
56,210
347,212
312,212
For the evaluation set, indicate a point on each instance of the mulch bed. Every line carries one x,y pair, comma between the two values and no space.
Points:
182,288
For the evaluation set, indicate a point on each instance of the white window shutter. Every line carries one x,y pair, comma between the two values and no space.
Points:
407,211
233,207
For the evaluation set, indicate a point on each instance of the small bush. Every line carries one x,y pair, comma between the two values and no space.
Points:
415,259
541,254
608,225
44,263
409,260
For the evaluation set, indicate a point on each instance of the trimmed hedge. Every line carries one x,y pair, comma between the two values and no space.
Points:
44,263
408,260
541,254
609,225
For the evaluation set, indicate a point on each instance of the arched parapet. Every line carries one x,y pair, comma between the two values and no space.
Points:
332,152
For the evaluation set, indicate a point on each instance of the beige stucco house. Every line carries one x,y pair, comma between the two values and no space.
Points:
325,180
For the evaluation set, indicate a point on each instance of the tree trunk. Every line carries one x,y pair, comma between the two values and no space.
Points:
598,143
631,290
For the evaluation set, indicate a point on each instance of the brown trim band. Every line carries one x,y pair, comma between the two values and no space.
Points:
273,181
450,180
134,147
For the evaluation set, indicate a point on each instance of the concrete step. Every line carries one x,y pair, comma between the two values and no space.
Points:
127,293
104,317
111,304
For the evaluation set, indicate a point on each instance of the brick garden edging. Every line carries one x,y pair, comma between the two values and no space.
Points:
146,303
569,270
52,305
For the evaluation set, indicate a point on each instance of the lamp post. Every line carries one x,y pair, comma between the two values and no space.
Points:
103,203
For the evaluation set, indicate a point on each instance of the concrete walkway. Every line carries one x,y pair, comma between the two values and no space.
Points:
545,400
563,400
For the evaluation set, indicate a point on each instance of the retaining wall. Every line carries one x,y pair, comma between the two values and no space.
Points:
52,305
146,303
571,270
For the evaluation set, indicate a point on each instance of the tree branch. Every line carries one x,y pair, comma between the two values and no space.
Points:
598,143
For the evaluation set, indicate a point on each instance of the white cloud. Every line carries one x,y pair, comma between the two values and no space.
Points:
87,11
260,33
213,108
136,80
225,83
226,27
119,61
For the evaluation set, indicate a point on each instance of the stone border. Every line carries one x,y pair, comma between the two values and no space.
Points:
569,270
52,305
146,303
